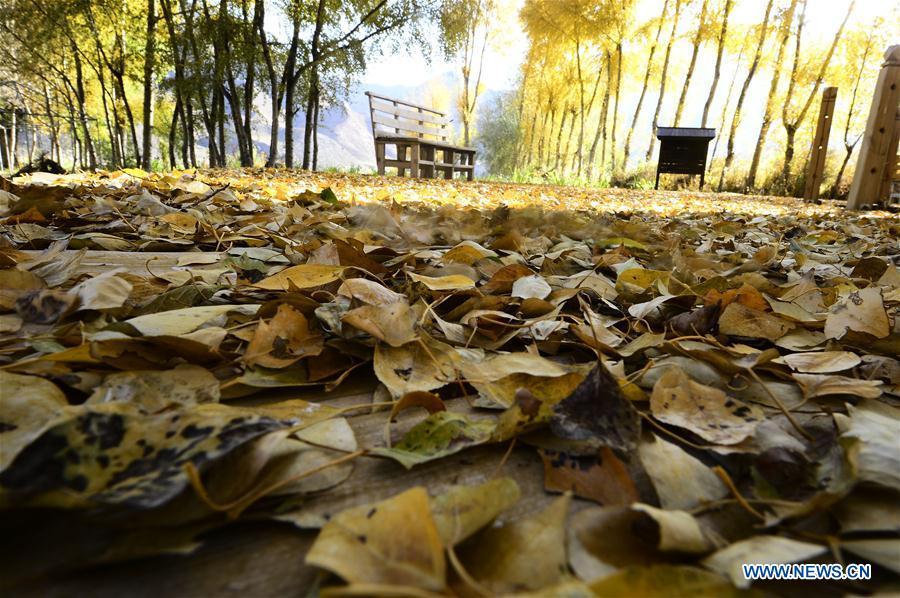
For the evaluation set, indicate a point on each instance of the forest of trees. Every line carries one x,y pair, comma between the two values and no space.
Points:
184,83
103,77
599,71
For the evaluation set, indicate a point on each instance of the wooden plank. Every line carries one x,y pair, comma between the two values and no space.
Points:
405,125
876,153
432,143
245,559
816,168
409,113
455,165
135,262
373,96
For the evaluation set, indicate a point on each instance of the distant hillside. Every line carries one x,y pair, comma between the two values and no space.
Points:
345,130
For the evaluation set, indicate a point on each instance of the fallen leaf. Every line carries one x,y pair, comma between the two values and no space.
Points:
860,311
113,454
154,390
870,433
303,276
392,542
823,362
393,324
283,340
532,286
820,385
523,555
597,415
680,480
369,292
440,434
603,479
183,321
463,510
740,320
452,282
662,581
704,410
30,405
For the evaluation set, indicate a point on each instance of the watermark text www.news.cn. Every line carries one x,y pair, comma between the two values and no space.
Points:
807,571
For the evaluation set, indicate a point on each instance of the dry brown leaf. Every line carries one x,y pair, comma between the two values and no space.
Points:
523,555
740,320
394,323
283,340
704,410
393,542
860,311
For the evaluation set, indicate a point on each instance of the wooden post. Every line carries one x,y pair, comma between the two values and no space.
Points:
890,172
879,145
816,167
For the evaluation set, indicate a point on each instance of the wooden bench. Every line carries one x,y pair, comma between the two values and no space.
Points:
419,134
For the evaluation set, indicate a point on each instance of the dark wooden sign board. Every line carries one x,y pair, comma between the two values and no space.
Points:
682,150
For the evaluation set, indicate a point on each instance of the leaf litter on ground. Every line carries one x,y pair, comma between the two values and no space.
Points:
705,379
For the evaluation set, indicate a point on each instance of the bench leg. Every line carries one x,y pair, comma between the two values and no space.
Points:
401,157
379,157
448,158
414,161
470,174
702,179
656,186
427,154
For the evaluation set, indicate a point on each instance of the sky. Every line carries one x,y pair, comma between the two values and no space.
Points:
503,64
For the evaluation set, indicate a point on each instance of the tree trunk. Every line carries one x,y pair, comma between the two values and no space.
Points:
149,64
250,78
616,106
308,119
662,80
129,115
82,113
720,47
173,128
191,135
698,39
592,153
640,104
727,101
848,145
578,162
543,135
790,126
559,134
234,104
565,152
604,113
289,109
580,101
54,136
209,124
770,102
736,117
315,159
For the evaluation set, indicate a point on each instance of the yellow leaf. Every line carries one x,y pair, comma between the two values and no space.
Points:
453,282
303,276
393,542
523,555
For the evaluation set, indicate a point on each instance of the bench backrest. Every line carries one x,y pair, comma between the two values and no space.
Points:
399,117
